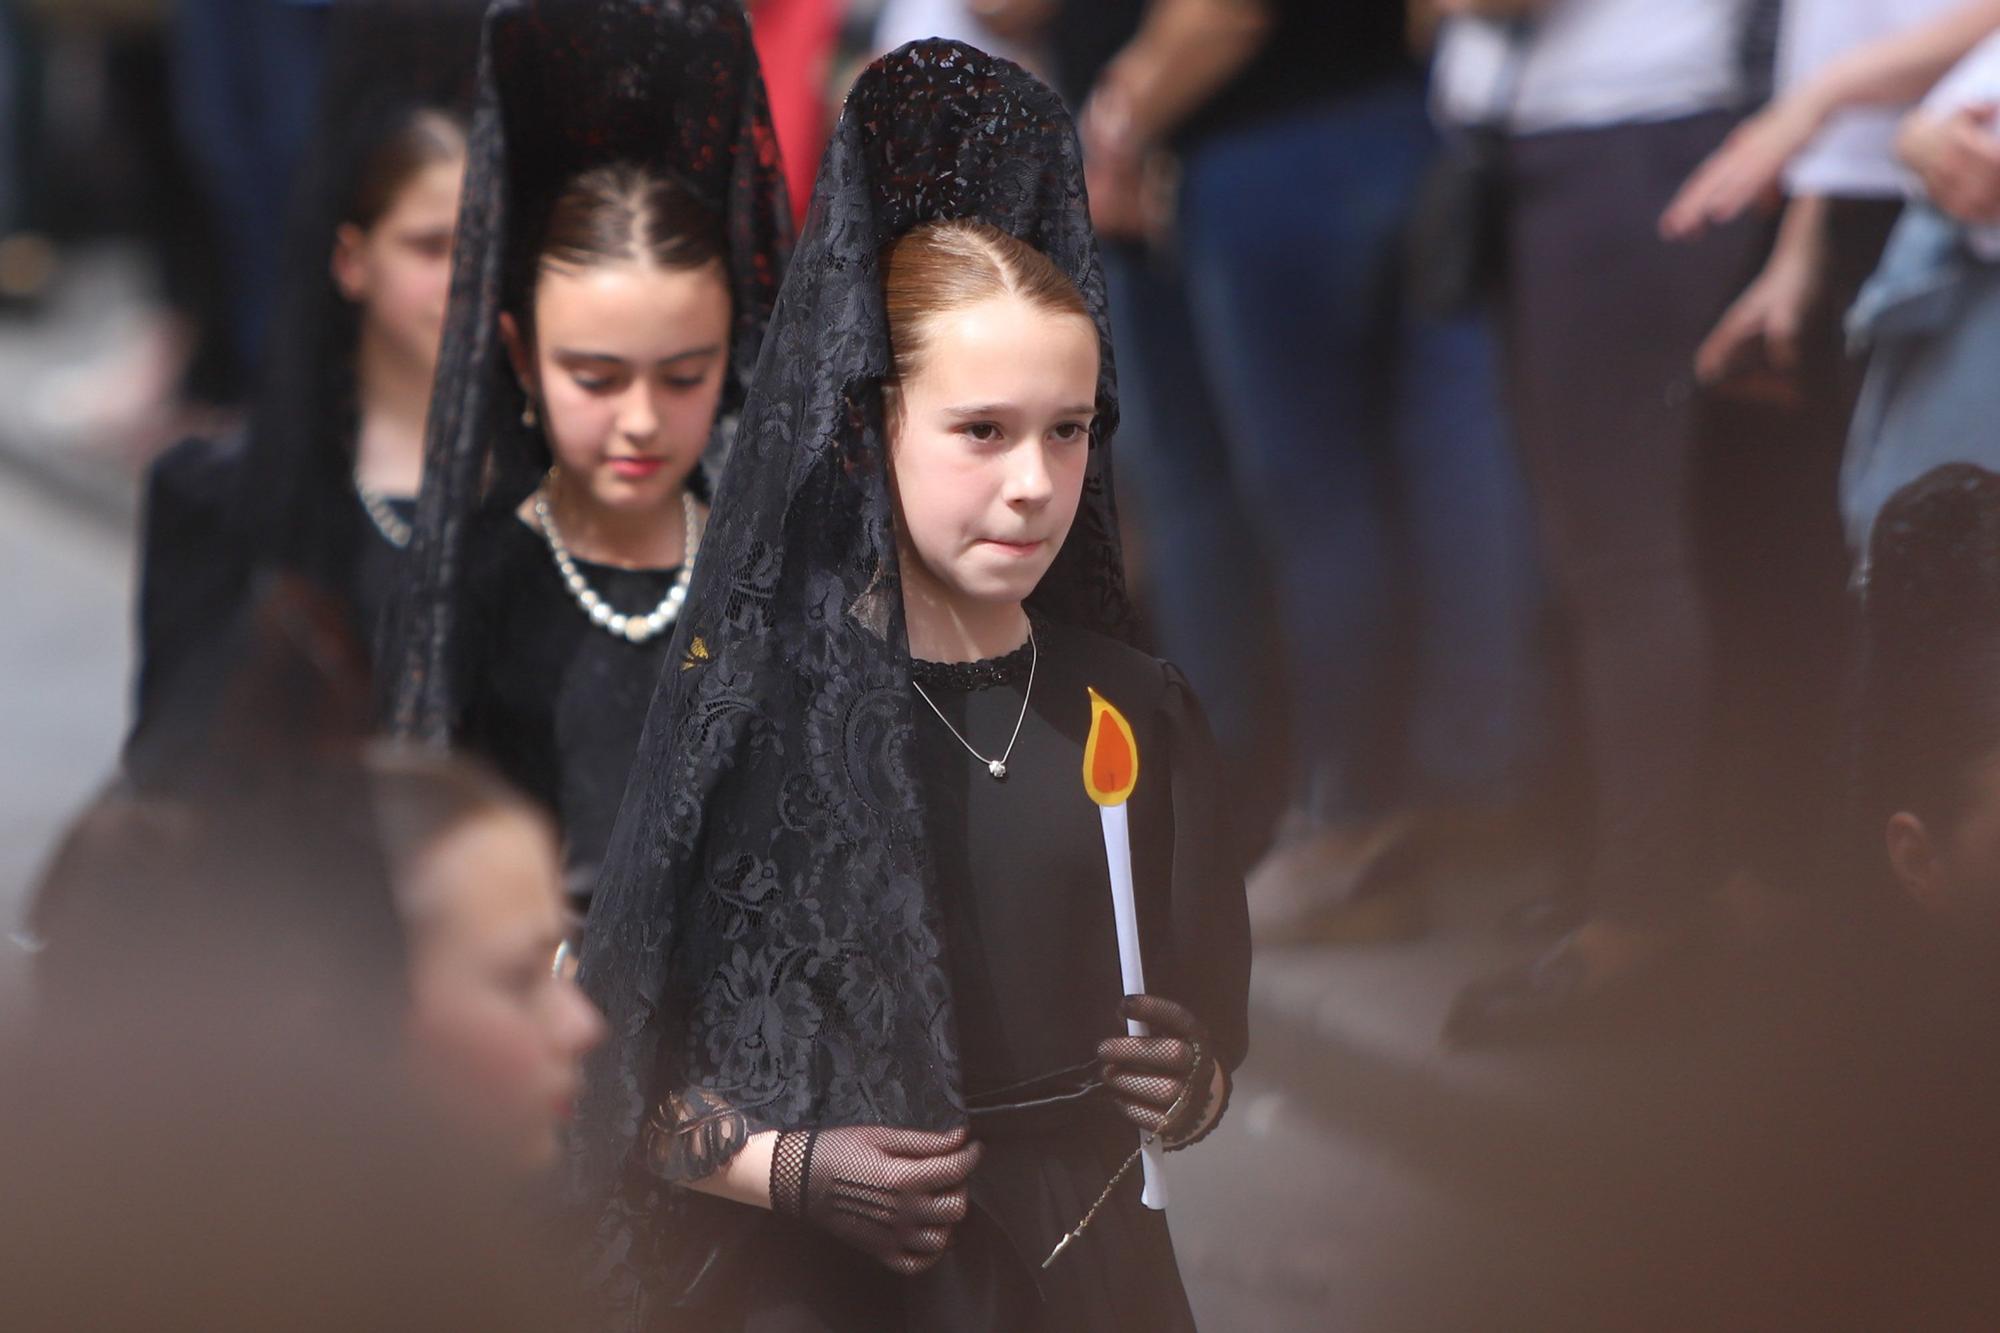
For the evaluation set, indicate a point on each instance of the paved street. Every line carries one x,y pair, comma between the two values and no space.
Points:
65,580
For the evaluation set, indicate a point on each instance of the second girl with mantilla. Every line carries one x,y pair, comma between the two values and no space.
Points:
855,932
624,232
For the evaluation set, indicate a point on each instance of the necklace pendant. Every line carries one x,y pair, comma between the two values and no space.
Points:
997,769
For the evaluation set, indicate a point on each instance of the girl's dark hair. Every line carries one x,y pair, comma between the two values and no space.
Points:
382,162
626,211
424,137
616,213
1929,702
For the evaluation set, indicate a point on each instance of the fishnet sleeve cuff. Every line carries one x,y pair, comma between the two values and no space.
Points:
791,1167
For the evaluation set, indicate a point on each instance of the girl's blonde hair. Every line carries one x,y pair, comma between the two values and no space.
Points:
940,267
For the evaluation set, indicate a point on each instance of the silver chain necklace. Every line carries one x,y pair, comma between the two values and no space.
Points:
633,629
387,521
997,767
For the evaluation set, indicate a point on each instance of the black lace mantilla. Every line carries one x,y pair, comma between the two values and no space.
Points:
564,86
765,931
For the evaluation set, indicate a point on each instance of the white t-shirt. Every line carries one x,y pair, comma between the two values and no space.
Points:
1596,62
1972,80
1854,157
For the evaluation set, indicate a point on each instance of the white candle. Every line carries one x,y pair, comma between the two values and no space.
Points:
1131,964
1110,773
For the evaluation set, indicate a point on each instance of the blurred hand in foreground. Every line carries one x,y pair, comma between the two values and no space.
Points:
1745,172
1760,331
1957,157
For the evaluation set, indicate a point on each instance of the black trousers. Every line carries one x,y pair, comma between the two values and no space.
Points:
1602,320
1774,568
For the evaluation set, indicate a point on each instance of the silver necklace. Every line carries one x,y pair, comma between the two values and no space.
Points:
997,767
384,516
633,629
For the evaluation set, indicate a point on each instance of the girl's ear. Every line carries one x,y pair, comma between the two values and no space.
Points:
519,354
349,270
1914,858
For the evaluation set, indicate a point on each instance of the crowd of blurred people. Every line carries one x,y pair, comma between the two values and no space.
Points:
1553,431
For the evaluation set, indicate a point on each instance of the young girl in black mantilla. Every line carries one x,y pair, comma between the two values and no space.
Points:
856,939
627,226
324,480
620,342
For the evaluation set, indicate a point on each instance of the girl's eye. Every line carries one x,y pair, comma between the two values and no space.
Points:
683,383
594,383
1069,432
984,432
431,247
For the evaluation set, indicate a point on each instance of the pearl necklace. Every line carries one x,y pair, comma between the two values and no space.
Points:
997,767
387,521
633,629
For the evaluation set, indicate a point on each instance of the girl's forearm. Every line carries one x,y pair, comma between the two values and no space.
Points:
1802,230
747,1176
1186,51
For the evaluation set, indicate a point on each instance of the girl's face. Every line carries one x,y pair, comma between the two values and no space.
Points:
399,270
495,1036
627,367
988,444
1953,873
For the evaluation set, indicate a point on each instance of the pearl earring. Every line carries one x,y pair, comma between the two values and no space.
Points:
528,414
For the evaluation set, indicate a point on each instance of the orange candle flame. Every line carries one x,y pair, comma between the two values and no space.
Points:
1110,756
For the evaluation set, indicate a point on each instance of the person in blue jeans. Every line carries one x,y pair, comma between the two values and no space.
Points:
1299,422
246,83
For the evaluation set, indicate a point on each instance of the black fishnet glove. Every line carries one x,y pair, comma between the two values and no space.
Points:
894,1194
1147,1075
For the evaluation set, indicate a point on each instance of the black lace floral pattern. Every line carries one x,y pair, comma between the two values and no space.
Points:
765,932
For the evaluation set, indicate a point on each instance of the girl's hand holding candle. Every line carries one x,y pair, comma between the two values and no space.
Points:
1168,1084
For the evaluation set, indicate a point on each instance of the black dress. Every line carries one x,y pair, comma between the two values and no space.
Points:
555,702
378,573
196,566
1033,965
